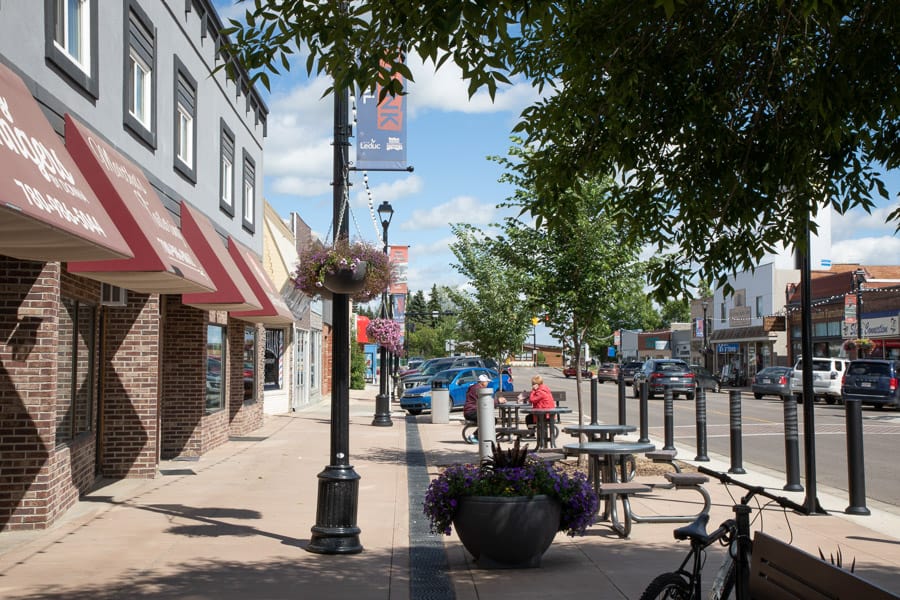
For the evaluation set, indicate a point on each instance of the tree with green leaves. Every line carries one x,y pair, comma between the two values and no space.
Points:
494,317
730,125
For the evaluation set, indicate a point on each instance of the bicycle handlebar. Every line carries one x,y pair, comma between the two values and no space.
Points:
753,489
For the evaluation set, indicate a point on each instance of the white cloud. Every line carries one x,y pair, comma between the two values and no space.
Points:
858,222
462,209
391,191
882,250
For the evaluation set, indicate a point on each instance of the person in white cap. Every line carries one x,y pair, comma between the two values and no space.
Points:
470,408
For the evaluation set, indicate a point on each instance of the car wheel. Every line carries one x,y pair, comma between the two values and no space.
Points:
758,396
830,400
451,406
799,398
414,411
690,396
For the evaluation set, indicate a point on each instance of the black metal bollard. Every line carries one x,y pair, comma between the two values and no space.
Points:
700,411
621,383
856,470
644,414
734,410
593,400
669,419
791,445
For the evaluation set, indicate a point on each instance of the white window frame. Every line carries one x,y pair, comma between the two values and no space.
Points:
249,195
141,97
185,140
79,11
226,169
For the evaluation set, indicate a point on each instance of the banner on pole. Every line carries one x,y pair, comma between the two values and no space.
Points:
399,257
381,131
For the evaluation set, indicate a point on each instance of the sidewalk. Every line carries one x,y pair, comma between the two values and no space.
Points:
234,524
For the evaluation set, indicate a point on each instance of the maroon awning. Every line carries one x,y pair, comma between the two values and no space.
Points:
232,290
163,262
274,310
48,212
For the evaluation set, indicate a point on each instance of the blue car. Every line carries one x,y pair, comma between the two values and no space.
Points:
417,399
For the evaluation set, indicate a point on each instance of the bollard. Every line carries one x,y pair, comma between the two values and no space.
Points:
700,411
593,400
645,438
440,401
734,409
621,382
487,433
856,470
791,445
668,419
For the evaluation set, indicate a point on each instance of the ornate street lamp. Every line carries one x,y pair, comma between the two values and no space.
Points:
383,399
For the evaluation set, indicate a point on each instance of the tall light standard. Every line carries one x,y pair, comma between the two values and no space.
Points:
383,399
705,305
534,322
859,278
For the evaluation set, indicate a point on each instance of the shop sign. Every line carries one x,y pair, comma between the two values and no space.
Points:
774,323
727,348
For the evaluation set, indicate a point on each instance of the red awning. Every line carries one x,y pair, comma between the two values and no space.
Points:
362,322
48,212
163,262
232,290
274,310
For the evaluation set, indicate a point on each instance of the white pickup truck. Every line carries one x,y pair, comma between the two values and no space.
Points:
827,375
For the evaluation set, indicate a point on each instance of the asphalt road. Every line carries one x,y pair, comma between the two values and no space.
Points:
762,431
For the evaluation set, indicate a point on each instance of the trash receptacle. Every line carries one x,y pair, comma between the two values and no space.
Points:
440,401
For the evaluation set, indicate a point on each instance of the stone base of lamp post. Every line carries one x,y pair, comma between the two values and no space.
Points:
335,531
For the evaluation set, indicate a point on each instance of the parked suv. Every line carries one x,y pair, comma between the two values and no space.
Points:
827,375
665,373
872,381
629,369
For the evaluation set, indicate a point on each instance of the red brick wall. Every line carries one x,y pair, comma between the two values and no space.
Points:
182,405
130,388
244,417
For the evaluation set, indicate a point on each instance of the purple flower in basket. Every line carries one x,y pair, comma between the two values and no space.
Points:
319,260
386,333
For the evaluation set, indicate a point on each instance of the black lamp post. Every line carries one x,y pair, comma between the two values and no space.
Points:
859,278
534,322
335,531
383,399
705,304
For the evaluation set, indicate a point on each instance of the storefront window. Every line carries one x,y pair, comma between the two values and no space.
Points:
273,357
249,365
215,368
75,370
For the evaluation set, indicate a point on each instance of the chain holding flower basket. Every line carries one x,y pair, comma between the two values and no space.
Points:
358,269
387,333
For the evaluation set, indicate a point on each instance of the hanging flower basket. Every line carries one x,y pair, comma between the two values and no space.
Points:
386,333
358,269
861,344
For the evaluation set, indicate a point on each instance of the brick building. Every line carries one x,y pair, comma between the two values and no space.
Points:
133,301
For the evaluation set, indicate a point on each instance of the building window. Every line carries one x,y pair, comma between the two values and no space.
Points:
249,193
70,42
215,368
140,75
185,122
759,307
226,170
75,370
249,365
273,357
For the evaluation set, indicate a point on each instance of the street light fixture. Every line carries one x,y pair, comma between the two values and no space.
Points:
705,305
859,278
383,399
534,322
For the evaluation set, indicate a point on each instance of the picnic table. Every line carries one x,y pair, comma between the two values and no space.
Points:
546,430
509,425
599,432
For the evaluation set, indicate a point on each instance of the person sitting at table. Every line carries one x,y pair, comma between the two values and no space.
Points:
540,397
470,408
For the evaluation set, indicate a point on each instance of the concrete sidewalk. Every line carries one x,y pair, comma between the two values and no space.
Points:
234,524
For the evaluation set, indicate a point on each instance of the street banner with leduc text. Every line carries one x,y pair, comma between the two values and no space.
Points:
381,131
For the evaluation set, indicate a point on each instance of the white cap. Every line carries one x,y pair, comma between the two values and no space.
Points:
483,377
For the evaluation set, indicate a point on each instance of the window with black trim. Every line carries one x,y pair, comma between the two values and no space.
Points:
76,351
185,122
226,170
249,365
70,41
140,74
249,196
215,368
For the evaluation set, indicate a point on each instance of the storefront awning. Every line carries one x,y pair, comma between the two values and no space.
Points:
755,333
274,311
48,212
163,262
232,290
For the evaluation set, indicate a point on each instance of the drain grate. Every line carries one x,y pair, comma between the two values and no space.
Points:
429,577
170,472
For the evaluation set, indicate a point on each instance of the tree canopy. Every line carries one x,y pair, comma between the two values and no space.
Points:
729,124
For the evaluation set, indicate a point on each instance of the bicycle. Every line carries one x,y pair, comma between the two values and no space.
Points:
733,575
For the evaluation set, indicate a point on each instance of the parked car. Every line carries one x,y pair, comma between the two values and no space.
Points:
772,381
425,372
573,372
705,379
417,399
827,375
629,369
872,381
665,373
608,372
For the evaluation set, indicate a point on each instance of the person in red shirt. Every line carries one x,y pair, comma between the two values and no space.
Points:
540,397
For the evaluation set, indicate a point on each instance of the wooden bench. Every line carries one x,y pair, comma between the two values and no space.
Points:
779,571
611,491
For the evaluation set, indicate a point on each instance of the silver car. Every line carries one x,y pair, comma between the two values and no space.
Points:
772,381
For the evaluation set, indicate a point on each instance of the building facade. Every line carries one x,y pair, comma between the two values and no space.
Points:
130,239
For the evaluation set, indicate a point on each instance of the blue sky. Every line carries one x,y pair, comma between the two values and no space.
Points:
449,138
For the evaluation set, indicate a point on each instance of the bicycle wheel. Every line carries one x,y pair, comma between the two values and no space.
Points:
668,586
723,583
